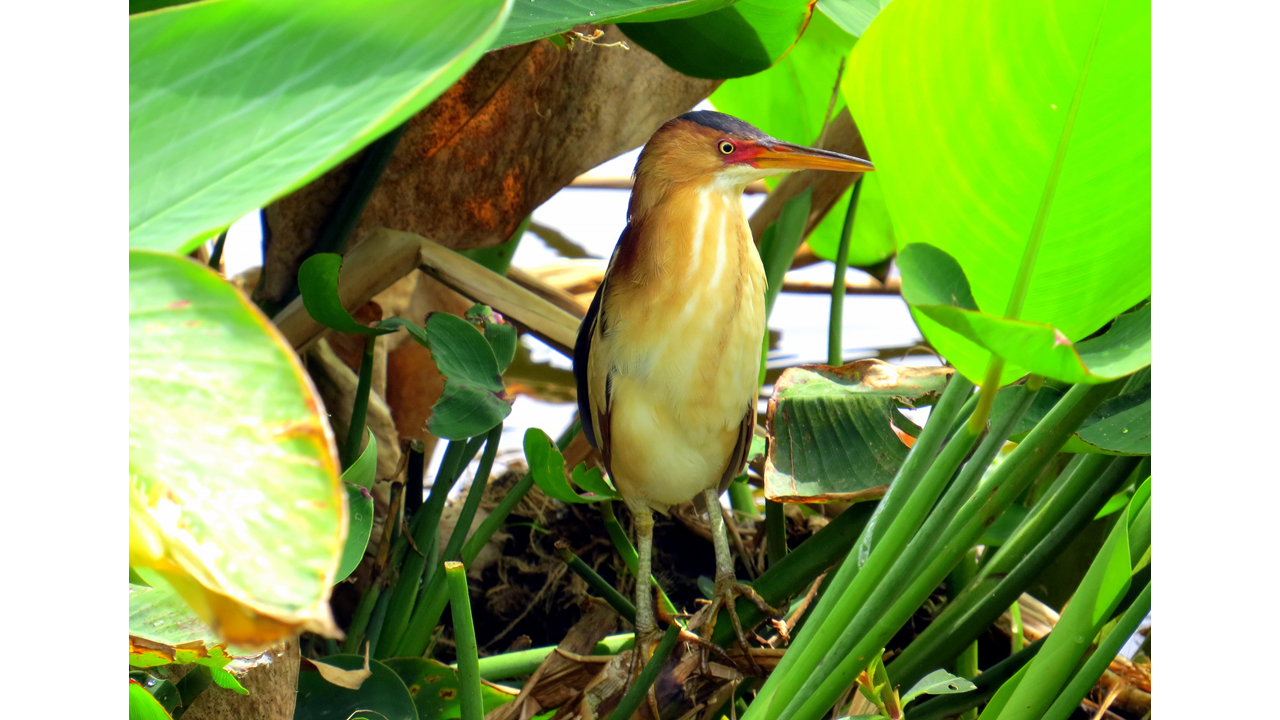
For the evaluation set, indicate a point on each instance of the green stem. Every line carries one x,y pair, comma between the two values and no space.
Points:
1044,534
1008,481
631,701
1016,638
610,594
835,343
424,528
464,637
810,646
966,665
471,548
742,500
360,620
377,620
1083,681
360,410
775,527
798,569
987,396
432,598
215,259
525,662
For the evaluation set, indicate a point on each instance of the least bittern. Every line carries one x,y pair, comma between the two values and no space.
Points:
668,356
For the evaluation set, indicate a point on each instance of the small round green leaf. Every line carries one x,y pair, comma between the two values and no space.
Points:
382,695
546,464
474,399
318,283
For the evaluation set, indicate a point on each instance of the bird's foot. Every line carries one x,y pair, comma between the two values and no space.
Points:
646,641
727,590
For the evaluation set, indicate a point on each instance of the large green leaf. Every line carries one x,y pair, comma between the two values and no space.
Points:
790,101
435,689
852,15
233,103
382,695
233,478
1024,122
164,630
937,289
1120,426
742,39
534,19
143,705
832,429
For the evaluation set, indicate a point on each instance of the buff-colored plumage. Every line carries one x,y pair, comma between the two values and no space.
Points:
668,357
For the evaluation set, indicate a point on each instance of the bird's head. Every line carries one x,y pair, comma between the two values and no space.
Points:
711,147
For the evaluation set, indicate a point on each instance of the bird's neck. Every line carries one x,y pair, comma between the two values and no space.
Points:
686,232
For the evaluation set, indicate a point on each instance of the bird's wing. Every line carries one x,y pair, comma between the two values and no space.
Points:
581,361
741,448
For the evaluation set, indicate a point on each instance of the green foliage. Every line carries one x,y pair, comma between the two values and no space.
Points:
434,688
533,20
382,695
938,682
741,39
235,103
852,15
170,631
546,465
474,399
833,428
1120,426
358,480
1023,151
143,705
318,283
232,470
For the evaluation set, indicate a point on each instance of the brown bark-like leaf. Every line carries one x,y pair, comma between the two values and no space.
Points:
520,125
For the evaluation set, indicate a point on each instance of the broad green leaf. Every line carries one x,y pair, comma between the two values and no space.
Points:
938,682
434,688
163,630
1024,121
742,39
143,705
500,334
872,240
233,474
318,283
534,19
474,399
233,103
546,464
1101,590
936,288
790,101
382,695
832,429
1120,426
358,480
224,679
852,15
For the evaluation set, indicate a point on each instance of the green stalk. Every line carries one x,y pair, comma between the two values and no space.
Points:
432,598
376,621
1083,681
1016,639
797,570
943,707
742,500
355,432
215,259
628,552
808,644
597,583
471,548
631,701
1047,531
423,526
835,343
360,620
464,636
525,662
966,665
775,531
1007,483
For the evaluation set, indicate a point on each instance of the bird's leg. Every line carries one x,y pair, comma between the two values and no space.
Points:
727,587
646,628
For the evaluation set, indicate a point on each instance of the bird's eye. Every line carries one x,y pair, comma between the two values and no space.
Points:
726,147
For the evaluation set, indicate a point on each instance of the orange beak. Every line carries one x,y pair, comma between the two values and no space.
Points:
785,155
